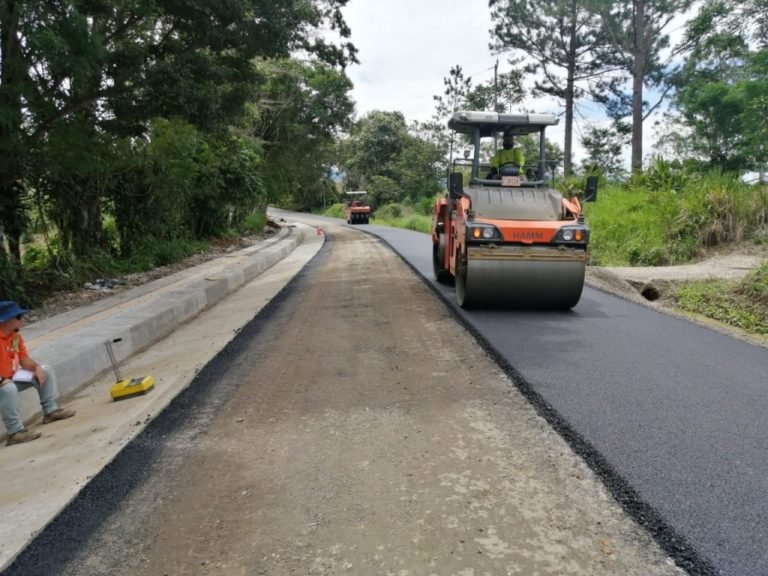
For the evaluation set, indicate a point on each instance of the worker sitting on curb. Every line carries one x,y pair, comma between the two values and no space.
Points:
507,155
18,372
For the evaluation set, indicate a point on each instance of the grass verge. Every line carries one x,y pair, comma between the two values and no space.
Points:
742,304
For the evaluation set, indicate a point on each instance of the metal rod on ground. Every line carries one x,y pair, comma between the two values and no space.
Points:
112,358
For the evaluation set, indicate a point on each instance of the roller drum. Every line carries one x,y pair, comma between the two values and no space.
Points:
548,278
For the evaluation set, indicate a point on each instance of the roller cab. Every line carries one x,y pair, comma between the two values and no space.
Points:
507,239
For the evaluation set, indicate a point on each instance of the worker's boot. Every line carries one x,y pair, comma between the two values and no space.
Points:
58,414
21,436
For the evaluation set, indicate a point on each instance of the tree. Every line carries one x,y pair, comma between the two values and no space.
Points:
420,168
84,84
375,145
454,96
635,29
563,44
391,160
299,111
499,95
720,108
604,146
81,75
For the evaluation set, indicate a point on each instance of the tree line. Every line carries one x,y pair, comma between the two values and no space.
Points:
621,56
128,125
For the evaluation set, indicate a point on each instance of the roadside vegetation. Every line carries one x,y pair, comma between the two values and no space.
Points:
667,216
134,134
670,217
407,215
742,304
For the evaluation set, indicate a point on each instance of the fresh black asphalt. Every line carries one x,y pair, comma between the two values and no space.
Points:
672,414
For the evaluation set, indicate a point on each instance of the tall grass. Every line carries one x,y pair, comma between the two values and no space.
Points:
335,211
409,215
671,218
626,230
743,304
664,216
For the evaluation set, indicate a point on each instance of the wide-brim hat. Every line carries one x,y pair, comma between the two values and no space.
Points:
9,310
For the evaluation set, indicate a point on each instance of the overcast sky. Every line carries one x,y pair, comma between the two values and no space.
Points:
407,47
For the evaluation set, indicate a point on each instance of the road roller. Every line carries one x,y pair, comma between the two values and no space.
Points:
507,239
357,210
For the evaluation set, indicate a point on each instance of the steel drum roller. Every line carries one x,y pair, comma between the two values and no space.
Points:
521,277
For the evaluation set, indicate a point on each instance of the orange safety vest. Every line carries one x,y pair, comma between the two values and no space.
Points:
12,351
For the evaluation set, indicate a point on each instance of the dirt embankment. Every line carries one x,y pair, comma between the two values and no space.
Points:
100,288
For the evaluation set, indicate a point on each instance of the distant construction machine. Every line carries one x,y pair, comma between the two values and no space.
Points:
357,210
508,239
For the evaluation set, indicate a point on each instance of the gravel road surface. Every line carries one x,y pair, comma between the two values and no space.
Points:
353,427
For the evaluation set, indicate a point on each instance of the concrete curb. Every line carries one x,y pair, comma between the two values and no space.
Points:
80,357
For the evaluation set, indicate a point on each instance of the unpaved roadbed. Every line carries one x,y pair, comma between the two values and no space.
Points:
358,429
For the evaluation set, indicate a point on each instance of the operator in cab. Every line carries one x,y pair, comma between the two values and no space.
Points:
508,155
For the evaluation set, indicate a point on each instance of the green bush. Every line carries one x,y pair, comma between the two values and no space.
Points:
726,302
11,285
755,285
639,255
34,258
425,206
389,212
161,253
335,211
254,223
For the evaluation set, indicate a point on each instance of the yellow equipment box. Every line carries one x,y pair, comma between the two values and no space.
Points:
126,387
133,387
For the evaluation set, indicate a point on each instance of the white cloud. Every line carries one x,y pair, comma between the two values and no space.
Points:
406,48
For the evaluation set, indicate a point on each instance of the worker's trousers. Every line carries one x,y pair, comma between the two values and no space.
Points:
9,399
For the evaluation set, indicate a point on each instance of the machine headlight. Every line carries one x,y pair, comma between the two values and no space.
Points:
483,232
573,234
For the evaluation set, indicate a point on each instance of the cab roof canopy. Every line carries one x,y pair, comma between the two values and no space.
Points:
489,123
